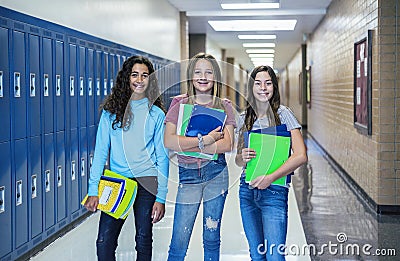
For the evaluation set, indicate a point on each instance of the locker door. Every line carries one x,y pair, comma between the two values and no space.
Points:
34,86
73,94
90,88
60,176
48,180
83,161
5,130
47,83
5,199
106,84
21,192
35,185
75,197
99,85
82,90
19,86
111,74
59,86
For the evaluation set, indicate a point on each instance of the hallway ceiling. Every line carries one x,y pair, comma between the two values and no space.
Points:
307,12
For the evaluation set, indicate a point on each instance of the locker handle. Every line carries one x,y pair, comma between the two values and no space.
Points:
72,85
19,193
81,86
34,184
47,180
58,85
59,173
2,199
17,84
1,83
33,85
46,85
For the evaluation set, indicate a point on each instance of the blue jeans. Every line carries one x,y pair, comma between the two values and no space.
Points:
264,218
209,182
110,228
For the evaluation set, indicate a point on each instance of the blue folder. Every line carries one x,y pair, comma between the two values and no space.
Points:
203,120
279,130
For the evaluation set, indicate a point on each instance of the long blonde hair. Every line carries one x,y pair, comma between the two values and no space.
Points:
216,91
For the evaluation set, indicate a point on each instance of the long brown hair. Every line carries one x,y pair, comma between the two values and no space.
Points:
118,101
250,112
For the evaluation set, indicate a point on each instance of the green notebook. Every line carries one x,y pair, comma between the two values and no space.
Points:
271,152
185,110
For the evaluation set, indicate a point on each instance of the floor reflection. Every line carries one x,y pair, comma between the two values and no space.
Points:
333,215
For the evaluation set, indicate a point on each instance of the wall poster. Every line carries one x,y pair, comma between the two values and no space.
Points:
363,85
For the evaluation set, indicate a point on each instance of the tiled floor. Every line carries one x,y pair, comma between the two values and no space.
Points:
320,201
79,244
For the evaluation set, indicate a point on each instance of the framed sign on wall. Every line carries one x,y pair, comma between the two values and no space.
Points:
363,85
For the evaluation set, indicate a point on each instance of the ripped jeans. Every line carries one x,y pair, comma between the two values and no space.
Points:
208,183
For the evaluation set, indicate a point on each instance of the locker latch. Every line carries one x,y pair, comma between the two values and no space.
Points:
111,84
47,180
2,199
98,87
46,85
73,170
82,167
17,84
90,163
58,85
18,194
34,186
32,81
1,84
59,176
90,87
81,86
71,86
105,87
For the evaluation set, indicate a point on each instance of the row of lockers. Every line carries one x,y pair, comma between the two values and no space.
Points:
52,82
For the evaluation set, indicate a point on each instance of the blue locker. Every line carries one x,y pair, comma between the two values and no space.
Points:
35,185
91,145
47,83
5,130
34,86
83,161
112,75
5,199
73,177
48,180
90,88
118,64
106,76
99,85
73,94
59,86
60,176
19,86
21,192
82,90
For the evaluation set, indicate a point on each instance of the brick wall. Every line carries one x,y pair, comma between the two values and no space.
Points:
372,161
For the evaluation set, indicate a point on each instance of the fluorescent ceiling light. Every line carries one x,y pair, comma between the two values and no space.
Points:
253,25
254,55
260,51
250,6
255,45
262,59
257,36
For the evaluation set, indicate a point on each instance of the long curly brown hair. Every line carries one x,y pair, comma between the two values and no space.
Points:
250,114
116,103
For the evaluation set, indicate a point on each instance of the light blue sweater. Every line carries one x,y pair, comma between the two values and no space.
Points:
137,152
